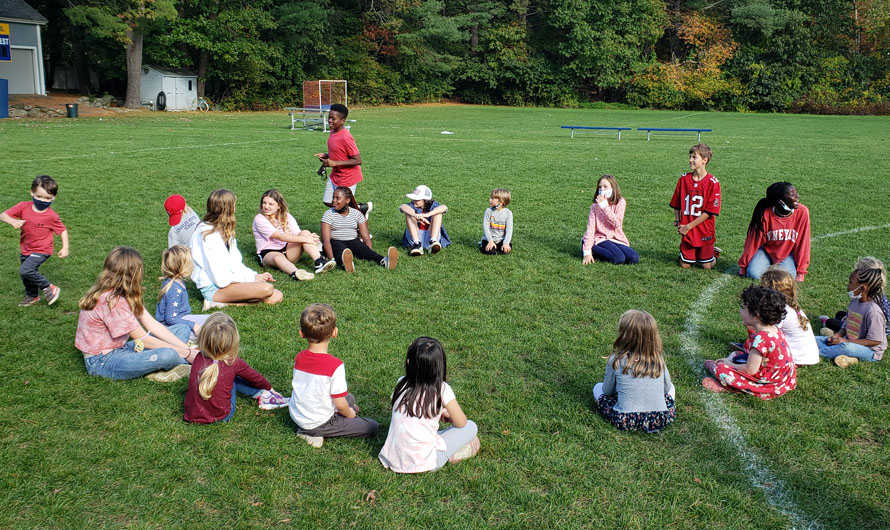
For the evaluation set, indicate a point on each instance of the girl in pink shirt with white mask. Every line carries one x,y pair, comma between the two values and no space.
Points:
605,237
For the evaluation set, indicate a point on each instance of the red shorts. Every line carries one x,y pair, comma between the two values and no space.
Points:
690,254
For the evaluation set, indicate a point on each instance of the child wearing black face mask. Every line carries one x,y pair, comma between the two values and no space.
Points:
779,234
37,222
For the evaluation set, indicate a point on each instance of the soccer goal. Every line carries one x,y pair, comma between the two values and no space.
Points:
322,93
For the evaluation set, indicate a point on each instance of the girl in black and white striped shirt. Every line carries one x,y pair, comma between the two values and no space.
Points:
344,233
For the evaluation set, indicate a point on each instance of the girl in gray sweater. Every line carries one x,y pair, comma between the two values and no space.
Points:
636,393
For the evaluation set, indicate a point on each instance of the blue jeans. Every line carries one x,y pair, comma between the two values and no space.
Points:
616,253
760,262
241,387
126,363
850,349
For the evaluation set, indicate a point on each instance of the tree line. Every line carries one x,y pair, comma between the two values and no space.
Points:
767,55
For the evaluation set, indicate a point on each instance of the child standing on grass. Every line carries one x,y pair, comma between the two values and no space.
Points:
320,403
769,371
423,217
38,223
863,335
343,157
497,224
218,373
636,393
119,339
795,326
696,202
280,242
344,234
173,298
219,272
183,221
421,398
605,236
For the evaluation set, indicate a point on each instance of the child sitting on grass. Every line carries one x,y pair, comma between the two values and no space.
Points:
37,222
423,217
769,371
119,339
219,373
863,335
497,224
182,219
320,404
421,398
636,393
344,234
173,298
279,241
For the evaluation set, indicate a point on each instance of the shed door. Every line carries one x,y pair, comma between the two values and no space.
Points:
20,72
182,93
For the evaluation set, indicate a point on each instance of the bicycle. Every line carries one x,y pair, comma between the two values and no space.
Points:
204,104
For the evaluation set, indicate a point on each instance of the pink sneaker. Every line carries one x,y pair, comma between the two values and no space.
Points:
711,384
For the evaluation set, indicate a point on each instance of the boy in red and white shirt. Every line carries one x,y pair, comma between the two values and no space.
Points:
696,202
320,404
38,223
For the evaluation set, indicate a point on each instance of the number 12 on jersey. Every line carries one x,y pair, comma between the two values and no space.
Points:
692,205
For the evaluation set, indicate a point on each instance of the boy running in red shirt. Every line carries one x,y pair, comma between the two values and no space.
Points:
696,202
343,158
38,223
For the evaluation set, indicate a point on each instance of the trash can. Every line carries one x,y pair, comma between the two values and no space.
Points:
72,109
4,98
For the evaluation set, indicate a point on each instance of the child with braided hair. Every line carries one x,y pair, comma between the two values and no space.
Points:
863,335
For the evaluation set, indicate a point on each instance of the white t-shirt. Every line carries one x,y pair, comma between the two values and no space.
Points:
411,443
801,343
318,378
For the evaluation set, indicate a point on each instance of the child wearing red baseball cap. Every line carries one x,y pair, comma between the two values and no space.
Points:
183,221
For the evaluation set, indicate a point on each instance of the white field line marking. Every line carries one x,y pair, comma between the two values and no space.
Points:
147,150
758,474
848,232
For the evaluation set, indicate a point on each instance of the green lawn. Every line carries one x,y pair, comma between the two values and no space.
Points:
525,334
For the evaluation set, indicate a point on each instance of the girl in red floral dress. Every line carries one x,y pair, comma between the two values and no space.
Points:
769,371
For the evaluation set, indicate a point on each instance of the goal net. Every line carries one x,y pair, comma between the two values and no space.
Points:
322,93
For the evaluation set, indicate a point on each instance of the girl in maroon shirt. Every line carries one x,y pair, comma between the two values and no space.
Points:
218,371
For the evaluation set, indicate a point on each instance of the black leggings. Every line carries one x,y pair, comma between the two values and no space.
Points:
359,249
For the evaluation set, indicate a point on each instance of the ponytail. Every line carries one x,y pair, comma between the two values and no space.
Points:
774,193
207,380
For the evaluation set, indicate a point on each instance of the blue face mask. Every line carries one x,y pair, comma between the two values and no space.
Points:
41,205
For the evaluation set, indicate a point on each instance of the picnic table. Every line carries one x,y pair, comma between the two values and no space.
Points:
594,130
670,131
311,118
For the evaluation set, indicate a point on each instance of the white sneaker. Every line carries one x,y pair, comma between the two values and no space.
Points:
302,275
466,451
210,304
435,246
168,376
314,441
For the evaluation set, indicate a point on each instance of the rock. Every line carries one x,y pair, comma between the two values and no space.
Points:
34,113
27,107
17,113
18,105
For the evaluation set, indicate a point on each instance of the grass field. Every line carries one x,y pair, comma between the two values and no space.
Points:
525,334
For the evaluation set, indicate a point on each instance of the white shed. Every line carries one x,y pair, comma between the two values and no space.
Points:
169,88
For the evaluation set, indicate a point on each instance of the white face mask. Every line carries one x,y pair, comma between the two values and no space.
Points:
606,194
854,296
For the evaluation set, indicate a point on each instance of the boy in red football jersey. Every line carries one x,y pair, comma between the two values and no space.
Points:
696,202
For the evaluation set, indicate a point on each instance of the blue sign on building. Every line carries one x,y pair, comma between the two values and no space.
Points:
5,52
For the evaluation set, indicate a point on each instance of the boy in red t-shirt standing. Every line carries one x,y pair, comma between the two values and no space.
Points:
38,222
696,202
342,157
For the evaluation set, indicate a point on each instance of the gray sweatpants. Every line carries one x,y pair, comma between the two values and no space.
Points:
339,425
455,438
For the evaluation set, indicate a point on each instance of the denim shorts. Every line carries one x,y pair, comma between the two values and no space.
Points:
208,291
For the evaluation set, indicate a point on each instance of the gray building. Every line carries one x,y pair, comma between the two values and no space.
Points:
25,70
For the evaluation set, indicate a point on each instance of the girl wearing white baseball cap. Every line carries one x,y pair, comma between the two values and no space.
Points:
423,219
